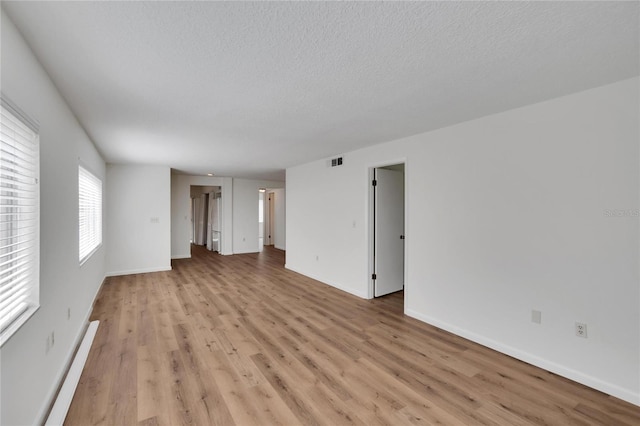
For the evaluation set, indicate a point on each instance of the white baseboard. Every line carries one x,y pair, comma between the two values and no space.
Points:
246,251
350,290
564,371
279,247
69,359
181,256
65,396
139,271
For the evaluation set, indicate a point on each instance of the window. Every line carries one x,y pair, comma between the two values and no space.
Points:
89,213
19,219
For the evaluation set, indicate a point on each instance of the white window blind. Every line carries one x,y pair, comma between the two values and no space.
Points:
19,220
89,213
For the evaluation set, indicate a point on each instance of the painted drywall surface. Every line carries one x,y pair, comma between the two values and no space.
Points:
138,219
180,213
534,208
245,213
322,205
261,206
279,212
28,376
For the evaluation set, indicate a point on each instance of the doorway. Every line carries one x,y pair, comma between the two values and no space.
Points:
269,218
387,213
206,217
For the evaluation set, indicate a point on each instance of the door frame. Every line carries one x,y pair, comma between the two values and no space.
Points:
224,188
371,225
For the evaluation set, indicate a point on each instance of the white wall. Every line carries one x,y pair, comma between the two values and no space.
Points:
505,214
322,204
180,215
138,219
279,212
261,227
28,376
245,213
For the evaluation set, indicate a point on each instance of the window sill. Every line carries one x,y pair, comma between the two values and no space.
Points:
91,253
8,332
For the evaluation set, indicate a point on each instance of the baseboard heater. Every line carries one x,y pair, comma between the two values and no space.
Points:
65,396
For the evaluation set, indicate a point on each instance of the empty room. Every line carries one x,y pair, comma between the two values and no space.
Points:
319,213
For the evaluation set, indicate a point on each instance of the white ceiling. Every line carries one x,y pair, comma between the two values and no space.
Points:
248,89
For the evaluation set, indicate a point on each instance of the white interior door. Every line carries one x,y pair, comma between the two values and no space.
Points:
388,232
197,221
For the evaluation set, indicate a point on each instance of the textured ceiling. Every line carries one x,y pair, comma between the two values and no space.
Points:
248,89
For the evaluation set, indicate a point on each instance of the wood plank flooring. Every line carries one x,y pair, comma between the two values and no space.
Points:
239,340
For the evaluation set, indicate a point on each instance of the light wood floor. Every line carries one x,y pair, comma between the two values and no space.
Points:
240,340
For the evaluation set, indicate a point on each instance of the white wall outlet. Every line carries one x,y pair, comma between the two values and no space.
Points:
581,329
155,220
536,316
317,258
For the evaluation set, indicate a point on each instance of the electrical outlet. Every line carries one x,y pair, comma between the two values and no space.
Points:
536,316
581,329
